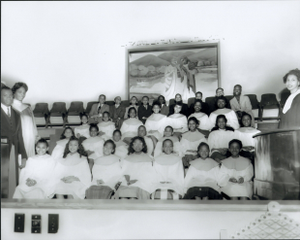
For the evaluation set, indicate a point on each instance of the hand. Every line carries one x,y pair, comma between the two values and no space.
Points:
69,179
30,182
241,180
233,180
23,163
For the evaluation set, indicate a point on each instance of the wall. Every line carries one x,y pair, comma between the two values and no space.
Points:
68,51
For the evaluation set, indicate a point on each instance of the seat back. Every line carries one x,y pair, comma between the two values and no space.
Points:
254,102
58,108
269,100
76,108
211,102
229,97
191,101
125,103
171,101
41,109
89,106
110,103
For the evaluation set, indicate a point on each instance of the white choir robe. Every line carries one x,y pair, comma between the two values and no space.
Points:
130,127
83,130
40,169
176,146
156,122
94,144
121,149
108,128
59,149
202,173
245,134
220,139
108,170
178,122
169,172
236,168
75,166
140,171
232,120
203,119
190,142
150,146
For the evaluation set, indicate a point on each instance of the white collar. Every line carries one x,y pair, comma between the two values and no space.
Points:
4,107
289,101
18,105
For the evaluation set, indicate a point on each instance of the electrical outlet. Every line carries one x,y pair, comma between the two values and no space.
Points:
19,222
52,223
36,223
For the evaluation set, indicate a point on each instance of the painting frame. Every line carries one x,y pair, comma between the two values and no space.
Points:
171,48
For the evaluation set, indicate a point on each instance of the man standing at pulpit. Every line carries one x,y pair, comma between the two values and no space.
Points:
12,130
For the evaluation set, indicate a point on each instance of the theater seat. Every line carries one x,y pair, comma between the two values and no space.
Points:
58,113
171,101
41,114
229,97
74,112
89,107
255,105
269,107
211,102
125,103
110,103
191,101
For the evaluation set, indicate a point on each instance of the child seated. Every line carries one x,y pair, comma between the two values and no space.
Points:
117,112
178,121
35,179
201,180
169,173
106,127
219,138
236,174
106,173
168,134
58,151
72,174
201,116
121,147
82,131
149,140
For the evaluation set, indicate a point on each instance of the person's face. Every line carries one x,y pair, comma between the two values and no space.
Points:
84,119
168,132
41,149
192,125
221,103
7,97
237,91
177,109
234,149
184,60
203,152
220,92
197,107
178,98
221,123
117,137
132,113
142,132
108,149
20,94
156,109
105,117
168,147
133,100
199,96
161,100
73,146
137,146
93,132
246,121
292,83
118,100
68,133
145,101
102,99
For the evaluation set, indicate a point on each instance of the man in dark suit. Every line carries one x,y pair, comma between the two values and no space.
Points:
11,129
95,115
184,110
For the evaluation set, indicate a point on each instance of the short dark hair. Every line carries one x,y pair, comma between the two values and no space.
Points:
198,93
219,88
83,115
102,95
130,148
145,97
117,130
193,119
197,101
19,85
157,104
243,115
167,140
238,85
201,145
93,125
130,110
112,142
42,140
178,94
106,112
169,127
295,72
5,88
62,136
235,141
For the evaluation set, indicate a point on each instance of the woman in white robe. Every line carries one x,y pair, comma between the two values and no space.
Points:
35,179
84,129
156,123
236,174
219,138
106,127
201,116
29,129
72,175
202,177
106,173
232,120
138,179
134,104
169,174
121,147
178,121
59,149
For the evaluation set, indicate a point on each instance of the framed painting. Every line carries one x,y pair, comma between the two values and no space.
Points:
170,69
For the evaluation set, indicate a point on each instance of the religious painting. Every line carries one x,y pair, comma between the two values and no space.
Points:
171,69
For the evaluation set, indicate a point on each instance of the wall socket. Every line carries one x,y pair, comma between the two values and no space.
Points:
53,223
19,222
36,223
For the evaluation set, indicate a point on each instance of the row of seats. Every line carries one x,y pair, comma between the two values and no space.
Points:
267,109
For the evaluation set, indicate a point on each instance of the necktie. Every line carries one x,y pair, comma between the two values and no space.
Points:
99,108
8,112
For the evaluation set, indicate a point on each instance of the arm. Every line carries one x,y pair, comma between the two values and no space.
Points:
248,106
93,111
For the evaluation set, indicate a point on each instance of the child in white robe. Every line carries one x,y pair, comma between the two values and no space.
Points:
178,121
236,174
58,150
133,104
201,116
138,180
83,129
106,127
106,173
201,180
149,140
121,147
190,142
156,123
169,173
35,179
168,134
71,174
219,138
